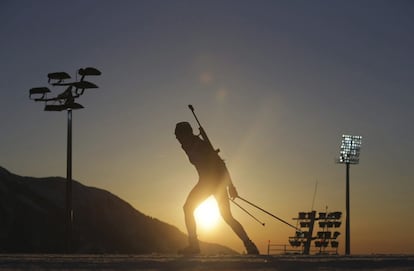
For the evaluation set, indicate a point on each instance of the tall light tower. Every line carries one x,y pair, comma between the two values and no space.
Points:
66,101
349,154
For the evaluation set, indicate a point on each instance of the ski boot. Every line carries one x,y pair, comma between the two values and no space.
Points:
251,248
192,249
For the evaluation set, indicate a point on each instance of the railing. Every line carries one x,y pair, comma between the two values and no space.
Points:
282,249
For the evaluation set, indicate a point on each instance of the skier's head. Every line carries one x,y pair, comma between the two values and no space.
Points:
183,131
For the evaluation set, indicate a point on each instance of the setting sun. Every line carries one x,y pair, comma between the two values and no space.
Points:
207,214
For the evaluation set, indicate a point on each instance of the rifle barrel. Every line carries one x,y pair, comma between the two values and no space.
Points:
195,116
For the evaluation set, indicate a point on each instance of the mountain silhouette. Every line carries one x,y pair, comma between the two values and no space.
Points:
32,220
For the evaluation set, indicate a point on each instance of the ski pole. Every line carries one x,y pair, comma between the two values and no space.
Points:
263,210
247,212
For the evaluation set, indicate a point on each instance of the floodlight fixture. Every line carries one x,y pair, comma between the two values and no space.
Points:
89,71
349,155
38,91
54,107
350,149
73,106
84,85
61,107
60,76
80,84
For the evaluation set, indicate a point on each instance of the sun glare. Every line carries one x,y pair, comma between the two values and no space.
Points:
207,214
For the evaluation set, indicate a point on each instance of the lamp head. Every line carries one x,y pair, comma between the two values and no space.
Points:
61,107
73,106
54,107
84,85
38,91
60,76
89,71
350,149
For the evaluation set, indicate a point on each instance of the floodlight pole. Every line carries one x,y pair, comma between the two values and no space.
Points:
349,154
69,212
66,101
347,222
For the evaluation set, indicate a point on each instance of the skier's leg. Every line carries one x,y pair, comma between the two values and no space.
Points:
197,195
224,206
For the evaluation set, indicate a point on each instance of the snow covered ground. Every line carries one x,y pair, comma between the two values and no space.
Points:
228,263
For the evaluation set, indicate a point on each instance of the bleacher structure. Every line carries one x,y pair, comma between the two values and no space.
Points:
324,241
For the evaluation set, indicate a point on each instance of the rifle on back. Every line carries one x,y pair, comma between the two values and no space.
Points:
202,131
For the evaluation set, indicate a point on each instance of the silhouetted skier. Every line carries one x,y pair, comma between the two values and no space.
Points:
213,180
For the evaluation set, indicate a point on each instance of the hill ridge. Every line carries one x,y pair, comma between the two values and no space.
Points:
32,215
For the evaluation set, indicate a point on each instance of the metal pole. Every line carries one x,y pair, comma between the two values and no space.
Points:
308,242
247,212
66,101
69,217
347,230
272,215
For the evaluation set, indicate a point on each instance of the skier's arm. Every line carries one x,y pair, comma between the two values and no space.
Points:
229,183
